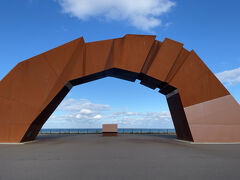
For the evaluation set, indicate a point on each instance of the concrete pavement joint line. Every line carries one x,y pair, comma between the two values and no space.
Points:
189,142
12,143
21,143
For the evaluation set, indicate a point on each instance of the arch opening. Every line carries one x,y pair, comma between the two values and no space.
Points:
173,99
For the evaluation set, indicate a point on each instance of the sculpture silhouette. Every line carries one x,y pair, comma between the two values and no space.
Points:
201,108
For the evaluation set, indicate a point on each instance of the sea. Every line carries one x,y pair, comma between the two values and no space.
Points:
99,131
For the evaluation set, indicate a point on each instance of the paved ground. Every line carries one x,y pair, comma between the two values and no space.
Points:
123,157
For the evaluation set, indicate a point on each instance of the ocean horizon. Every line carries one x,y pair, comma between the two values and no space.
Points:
99,130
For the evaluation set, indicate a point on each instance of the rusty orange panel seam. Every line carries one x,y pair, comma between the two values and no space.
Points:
60,76
173,65
110,57
84,59
172,73
110,63
151,56
68,64
44,56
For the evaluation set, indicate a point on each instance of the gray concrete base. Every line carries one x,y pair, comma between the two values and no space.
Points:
21,143
123,157
226,143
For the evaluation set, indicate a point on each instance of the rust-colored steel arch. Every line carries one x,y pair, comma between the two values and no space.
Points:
202,109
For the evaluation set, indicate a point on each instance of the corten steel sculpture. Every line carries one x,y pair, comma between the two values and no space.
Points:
202,109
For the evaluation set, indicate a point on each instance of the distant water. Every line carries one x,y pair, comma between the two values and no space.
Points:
99,130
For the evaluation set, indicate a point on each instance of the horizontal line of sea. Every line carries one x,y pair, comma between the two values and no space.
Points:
99,130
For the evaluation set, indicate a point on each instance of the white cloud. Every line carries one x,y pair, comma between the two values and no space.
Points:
142,14
78,116
83,106
98,116
74,113
85,111
131,113
229,77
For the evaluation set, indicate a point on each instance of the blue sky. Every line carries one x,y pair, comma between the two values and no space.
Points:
211,28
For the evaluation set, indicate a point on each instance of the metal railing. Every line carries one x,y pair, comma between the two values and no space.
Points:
99,131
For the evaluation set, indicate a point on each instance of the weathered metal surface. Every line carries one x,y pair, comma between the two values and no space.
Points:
34,88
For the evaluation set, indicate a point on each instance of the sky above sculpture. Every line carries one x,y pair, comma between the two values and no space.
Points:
211,28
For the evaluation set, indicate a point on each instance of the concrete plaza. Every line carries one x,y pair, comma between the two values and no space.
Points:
139,157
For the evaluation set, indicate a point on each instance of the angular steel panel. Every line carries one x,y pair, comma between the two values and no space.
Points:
201,107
